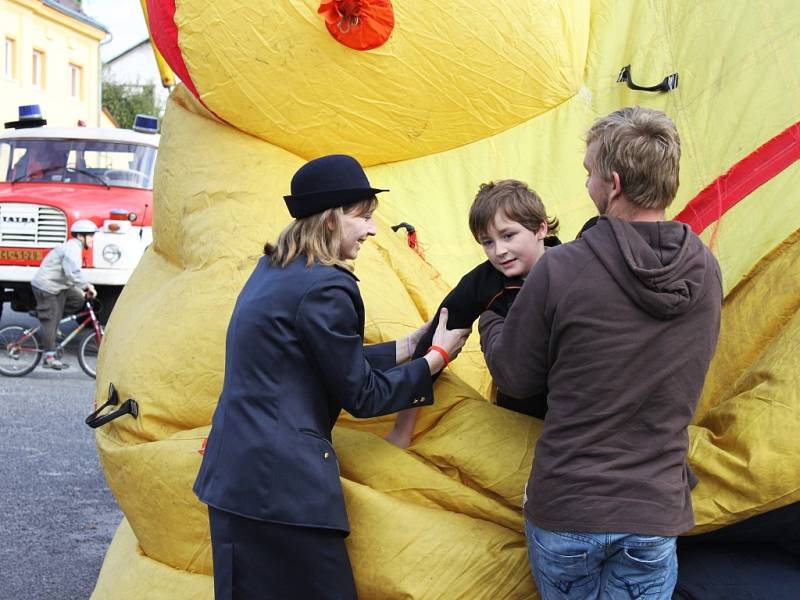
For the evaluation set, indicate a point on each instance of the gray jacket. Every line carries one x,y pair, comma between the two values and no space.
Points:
61,269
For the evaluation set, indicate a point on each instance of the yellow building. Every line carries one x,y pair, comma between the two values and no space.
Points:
50,55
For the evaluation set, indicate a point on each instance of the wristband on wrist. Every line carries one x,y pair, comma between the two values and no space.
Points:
409,349
443,352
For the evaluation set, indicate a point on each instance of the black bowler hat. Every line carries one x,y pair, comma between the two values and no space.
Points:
328,182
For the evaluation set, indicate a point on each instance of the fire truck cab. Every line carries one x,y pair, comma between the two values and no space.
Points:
50,177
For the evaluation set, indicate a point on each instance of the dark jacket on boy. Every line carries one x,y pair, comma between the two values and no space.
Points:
620,327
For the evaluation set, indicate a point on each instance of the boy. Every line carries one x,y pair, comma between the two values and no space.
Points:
509,221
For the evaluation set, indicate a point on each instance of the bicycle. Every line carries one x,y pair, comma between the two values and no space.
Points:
21,350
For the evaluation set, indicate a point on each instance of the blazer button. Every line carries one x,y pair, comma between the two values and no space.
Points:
326,455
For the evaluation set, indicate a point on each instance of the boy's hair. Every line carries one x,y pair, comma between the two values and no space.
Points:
317,237
517,202
642,145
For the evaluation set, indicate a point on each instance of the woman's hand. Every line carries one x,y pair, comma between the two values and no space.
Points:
451,341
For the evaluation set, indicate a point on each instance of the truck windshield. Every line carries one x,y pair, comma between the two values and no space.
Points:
91,162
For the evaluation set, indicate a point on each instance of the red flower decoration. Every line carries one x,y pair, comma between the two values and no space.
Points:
358,24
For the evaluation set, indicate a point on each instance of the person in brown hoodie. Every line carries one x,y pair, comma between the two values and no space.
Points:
619,326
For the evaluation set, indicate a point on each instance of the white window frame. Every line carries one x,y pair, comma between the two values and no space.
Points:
75,81
9,58
38,68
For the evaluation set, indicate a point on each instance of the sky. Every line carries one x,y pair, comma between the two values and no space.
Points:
123,18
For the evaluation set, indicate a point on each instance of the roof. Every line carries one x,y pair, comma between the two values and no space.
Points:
81,133
75,14
127,51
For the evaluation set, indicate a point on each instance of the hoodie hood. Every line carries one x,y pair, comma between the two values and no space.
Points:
661,266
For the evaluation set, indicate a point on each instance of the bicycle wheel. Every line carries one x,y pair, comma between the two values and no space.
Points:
18,358
87,354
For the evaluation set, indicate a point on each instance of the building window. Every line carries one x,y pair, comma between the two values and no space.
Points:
75,81
9,58
37,74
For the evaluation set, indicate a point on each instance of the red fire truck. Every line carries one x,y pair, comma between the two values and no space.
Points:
51,177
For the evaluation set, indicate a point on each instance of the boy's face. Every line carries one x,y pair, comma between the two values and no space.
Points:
510,247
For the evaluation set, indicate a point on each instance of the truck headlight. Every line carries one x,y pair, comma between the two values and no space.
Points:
111,253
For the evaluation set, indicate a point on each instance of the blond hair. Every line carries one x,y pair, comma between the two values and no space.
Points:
318,237
517,202
643,147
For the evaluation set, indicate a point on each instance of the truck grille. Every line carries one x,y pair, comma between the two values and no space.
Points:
32,225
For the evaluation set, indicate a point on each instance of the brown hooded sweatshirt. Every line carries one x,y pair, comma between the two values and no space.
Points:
619,326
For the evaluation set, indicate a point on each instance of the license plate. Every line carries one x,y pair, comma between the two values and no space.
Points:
21,254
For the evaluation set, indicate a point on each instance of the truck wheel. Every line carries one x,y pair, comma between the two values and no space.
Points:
107,297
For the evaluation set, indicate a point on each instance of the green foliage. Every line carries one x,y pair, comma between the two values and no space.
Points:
125,101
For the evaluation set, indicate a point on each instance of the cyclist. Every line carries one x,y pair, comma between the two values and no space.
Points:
59,285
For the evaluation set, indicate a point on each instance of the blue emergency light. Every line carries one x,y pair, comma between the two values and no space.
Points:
30,111
30,115
145,124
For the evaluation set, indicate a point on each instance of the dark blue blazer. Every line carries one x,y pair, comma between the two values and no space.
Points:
294,359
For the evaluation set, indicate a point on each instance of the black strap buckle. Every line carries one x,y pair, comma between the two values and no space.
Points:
130,406
407,226
669,83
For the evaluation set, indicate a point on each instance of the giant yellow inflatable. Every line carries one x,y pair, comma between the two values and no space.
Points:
435,98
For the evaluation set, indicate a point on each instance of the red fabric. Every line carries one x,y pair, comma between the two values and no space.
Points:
358,24
161,17
741,179
413,243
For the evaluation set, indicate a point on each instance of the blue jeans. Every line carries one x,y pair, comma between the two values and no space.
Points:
601,566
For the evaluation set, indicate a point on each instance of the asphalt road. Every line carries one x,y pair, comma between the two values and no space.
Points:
57,515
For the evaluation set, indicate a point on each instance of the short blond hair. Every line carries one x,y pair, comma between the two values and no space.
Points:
515,200
642,146
318,237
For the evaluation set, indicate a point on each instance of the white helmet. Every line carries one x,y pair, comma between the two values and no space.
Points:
83,226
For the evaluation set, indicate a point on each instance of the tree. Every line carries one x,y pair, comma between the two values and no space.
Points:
124,101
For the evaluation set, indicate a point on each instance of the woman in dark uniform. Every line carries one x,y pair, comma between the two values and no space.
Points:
294,359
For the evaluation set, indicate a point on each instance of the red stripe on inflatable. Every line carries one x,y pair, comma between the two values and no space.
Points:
161,16
741,179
